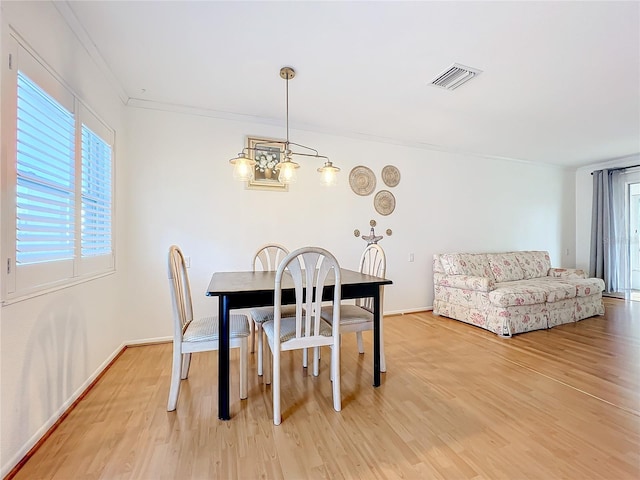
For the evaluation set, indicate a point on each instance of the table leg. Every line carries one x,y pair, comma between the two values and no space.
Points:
223,358
376,338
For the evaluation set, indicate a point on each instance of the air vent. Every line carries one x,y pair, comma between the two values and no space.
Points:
455,76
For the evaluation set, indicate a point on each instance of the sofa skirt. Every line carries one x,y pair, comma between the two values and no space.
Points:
507,321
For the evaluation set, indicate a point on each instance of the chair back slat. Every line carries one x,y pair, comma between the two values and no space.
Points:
324,268
296,272
311,326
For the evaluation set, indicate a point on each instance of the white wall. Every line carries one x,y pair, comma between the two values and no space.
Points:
584,197
53,345
184,193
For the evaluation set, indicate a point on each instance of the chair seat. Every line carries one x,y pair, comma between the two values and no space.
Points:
265,314
348,314
204,329
288,329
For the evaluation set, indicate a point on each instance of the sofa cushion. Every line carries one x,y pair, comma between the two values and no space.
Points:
505,267
555,290
450,263
465,282
534,264
473,264
567,273
587,286
517,294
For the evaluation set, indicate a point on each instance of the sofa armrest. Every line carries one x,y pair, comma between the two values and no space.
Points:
466,282
567,273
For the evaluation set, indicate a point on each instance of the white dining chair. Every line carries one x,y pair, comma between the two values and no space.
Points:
309,269
266,259
197,335
359,317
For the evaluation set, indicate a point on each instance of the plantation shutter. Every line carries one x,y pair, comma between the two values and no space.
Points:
59,182
45,208
96,195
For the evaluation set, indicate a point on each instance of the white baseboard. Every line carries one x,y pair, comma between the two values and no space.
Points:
42,431
408,310
147,341
35,438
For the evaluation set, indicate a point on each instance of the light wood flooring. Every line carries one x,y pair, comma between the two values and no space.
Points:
457,402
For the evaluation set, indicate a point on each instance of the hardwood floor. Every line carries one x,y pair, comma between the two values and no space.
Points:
457,402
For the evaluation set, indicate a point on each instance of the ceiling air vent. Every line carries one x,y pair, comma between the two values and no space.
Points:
455,76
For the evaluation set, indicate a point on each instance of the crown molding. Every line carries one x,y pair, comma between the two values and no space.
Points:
83,37
238,117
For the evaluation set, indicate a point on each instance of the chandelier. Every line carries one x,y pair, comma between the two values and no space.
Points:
244,165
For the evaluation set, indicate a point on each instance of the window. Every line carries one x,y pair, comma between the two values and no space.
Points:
96,195
45,177
58,183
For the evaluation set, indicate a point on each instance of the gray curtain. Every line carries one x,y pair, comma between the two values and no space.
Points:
609,251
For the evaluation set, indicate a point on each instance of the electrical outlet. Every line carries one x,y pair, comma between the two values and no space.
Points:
187,262
411,257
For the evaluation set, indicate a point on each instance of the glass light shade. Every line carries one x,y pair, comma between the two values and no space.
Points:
288,172
328,174
242,167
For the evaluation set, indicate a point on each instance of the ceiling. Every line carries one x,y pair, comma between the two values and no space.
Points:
560,81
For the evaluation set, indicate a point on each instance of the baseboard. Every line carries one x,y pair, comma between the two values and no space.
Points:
148,341
408,310
11,468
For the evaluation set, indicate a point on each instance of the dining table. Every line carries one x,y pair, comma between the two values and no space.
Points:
236,290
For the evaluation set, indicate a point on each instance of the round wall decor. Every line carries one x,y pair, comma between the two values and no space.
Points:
390,176
384,202
362,180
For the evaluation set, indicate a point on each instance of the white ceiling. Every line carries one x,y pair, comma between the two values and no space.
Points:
560,81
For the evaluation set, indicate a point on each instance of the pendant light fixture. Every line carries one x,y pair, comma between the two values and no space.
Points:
244,166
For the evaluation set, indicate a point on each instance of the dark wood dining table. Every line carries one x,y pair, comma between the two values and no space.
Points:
256,289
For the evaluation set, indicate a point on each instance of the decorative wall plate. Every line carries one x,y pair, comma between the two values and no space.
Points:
362,180
384,202
390,176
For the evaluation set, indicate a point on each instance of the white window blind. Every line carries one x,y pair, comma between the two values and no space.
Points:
96,194
45,166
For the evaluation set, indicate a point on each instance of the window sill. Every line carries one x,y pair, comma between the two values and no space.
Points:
79,281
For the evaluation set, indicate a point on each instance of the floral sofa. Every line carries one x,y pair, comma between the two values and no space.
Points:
512,292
